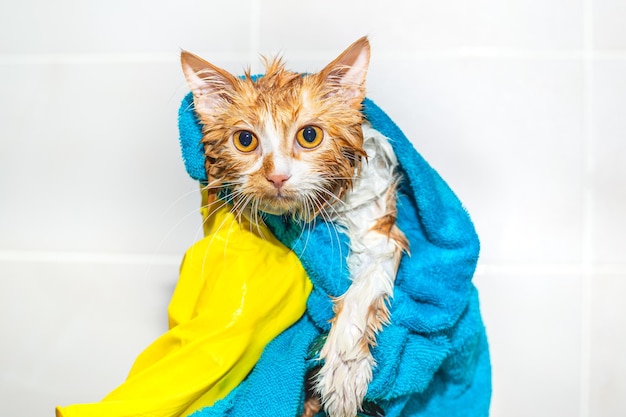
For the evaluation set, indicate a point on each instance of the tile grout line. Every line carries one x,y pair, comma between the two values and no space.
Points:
536,269
587,212
68,257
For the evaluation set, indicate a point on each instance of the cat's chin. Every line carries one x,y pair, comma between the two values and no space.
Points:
278,205
288,211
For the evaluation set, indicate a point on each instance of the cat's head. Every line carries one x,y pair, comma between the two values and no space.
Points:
283,142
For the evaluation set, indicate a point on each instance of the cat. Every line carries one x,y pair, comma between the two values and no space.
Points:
296,144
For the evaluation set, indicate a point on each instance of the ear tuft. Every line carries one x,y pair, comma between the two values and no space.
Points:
209,84
348,71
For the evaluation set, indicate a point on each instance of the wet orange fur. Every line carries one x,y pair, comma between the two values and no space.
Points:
312,406
386,225
378,313
291,100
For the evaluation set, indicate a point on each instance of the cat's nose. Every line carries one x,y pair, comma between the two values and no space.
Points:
277,179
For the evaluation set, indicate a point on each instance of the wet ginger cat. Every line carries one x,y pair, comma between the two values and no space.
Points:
292,144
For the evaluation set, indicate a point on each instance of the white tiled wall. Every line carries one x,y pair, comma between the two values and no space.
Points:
519,104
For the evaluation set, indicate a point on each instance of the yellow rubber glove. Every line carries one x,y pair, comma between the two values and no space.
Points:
239,288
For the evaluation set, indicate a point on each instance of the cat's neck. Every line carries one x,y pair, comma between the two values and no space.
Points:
377,173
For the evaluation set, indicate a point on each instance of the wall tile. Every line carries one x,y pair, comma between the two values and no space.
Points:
75,329
608,344
533,326
609,170
90,161
399,27
608,24
119,26
507,136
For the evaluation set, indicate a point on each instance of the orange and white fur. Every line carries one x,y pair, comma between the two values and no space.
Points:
294,144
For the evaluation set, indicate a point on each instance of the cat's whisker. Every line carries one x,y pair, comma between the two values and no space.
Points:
213,185
321,192
211,213
308,221
240,204
259,220
328,213
181,197
306,226
229,197
216,230
246,203
247,206
181,219
332,229
259,229
178,223
212,208
226,243
248,209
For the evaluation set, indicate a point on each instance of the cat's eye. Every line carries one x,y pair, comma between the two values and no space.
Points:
245,141
310,137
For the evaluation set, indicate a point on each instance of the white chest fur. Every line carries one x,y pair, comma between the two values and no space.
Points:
368,217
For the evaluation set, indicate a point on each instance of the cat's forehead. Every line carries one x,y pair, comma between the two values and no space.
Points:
283,97
277,88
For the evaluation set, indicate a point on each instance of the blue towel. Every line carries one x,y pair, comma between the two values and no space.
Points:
433,359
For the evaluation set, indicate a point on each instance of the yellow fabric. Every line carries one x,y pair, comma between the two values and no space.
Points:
239,287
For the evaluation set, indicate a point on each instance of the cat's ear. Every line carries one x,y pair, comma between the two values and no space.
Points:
211,86
347,72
